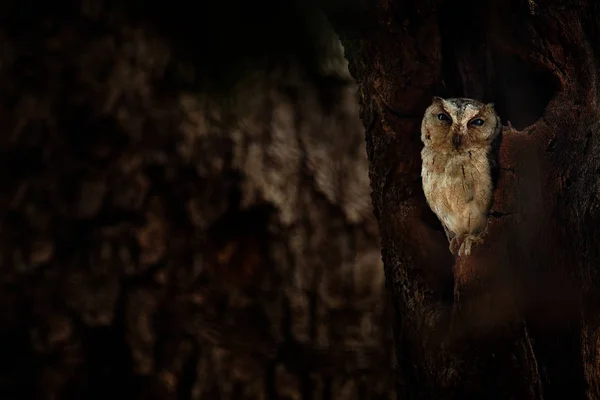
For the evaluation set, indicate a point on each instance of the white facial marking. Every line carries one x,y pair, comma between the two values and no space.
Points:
470,112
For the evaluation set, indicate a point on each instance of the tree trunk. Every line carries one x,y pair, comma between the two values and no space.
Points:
155,244
519,317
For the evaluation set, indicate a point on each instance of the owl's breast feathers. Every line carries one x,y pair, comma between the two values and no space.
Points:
458,187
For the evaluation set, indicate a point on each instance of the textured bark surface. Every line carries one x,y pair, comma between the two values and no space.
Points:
155,244
519,318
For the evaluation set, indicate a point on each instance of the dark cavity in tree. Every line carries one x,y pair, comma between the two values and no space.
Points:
479,64
522,91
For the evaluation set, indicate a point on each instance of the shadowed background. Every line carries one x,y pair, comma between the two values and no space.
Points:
186,209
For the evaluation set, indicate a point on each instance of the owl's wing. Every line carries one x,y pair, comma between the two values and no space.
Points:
468,185
477,183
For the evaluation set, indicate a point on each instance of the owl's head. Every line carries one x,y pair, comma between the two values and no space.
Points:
459,124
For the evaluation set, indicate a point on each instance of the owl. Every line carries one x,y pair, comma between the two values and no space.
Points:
458,135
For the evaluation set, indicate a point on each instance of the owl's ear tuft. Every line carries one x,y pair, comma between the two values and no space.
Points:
490,106
436,99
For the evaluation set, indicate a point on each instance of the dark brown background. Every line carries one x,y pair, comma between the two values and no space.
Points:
186,208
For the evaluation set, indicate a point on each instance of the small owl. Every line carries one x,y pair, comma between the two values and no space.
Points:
458,134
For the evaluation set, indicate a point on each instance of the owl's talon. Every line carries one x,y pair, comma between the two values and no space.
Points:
455,245
465,248
452,248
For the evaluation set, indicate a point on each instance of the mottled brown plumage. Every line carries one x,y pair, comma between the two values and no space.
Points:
458,135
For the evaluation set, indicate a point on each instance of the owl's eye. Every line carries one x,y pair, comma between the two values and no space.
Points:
477,122
443,117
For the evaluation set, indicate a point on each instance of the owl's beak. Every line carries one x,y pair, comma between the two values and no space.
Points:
456,140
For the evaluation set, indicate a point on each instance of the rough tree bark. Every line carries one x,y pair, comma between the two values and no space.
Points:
518,319
154,245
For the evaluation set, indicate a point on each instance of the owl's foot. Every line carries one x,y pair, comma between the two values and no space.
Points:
455,244
470,240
